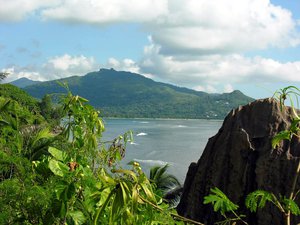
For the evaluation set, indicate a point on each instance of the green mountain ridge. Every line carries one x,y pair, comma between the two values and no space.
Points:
24,82
126,94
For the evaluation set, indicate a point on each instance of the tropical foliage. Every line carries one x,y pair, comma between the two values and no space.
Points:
17,94
69,175
168,184
224,205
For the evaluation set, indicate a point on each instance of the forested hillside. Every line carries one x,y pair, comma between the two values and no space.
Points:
125,94
19,95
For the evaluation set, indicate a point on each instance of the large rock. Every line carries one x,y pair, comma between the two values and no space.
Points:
239,159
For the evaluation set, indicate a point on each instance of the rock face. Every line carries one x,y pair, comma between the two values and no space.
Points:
239,159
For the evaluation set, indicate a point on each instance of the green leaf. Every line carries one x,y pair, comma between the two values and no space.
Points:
3,122
71,191
63,209
77,217
220,201
102,208
294,126
125,191
128,172
58,154
42,134
117,205
59,189
283,135
290,204
103,195
105,177
258,199
82,99
58,168
135,197
148,192
118,156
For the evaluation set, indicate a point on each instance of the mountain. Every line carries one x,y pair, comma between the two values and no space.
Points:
125,94
23,82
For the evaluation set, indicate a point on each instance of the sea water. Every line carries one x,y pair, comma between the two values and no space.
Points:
161,141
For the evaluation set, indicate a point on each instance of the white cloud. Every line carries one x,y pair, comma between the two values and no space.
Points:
55,68
16,72
190,26
16,10
217,69
127,65
194,43
228,88
179,27
66,65
218,26
106,11
206,88
123,65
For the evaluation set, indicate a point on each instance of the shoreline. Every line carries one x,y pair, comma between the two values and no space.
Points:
147,118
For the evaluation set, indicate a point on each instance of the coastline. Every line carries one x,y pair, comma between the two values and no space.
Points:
158,118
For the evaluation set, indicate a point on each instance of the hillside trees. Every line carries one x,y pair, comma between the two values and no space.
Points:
125,94
22,199
46,106
20,96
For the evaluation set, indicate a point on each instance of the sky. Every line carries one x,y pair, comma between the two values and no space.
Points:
214,46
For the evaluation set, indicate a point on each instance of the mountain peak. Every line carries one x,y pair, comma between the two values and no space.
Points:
126,94
23,82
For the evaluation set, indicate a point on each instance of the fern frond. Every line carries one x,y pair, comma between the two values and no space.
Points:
220,201
291,205
258,199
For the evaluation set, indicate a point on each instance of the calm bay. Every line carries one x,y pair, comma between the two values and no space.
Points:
177,142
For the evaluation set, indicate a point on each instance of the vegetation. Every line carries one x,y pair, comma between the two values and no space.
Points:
17,94
223,205
43,110
51,112
259,198
71,176
124,94
254,201
168,184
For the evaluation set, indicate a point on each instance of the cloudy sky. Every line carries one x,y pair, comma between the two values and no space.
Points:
213,46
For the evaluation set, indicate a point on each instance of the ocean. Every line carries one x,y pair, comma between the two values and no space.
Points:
177,142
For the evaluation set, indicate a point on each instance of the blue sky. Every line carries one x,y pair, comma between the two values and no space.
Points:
213,46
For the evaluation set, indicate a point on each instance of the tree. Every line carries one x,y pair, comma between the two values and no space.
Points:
46,107
167,183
